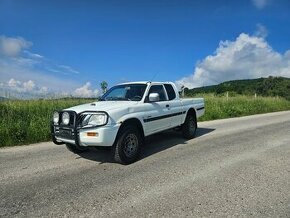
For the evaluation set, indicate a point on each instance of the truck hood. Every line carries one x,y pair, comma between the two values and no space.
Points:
102,106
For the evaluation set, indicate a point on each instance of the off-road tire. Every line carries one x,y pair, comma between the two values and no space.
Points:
122,146
189,126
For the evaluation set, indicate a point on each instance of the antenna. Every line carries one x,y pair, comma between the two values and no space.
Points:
154,76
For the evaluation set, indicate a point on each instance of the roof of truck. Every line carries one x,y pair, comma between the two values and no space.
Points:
143,82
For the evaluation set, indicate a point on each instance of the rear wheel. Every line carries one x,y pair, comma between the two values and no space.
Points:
189,126
128,145
75,149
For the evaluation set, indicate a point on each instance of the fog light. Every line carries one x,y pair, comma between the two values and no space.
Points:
65,118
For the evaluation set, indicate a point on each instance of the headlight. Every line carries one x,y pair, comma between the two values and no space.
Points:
95,119
65,118
55,117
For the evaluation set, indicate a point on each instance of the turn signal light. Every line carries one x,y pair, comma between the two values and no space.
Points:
92,134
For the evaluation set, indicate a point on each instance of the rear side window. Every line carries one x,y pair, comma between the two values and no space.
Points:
158,89
170,91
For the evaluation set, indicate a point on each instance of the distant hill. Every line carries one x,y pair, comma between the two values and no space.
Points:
271,86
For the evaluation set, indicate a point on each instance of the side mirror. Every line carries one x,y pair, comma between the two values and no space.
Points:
153,97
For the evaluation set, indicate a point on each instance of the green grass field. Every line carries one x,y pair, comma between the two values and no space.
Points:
221,107
25,122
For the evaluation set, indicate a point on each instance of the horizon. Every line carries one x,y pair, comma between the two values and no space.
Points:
55,96
69,48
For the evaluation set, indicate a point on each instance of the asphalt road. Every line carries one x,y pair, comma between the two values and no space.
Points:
234,167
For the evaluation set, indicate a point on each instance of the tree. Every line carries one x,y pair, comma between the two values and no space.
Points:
104,86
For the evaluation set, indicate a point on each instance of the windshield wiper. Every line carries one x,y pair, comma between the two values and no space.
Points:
117,99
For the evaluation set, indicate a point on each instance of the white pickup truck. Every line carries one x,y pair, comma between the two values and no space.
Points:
124,116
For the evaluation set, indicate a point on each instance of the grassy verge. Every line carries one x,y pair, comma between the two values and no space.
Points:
220,107
24,122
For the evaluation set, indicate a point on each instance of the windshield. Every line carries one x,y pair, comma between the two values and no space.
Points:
127,92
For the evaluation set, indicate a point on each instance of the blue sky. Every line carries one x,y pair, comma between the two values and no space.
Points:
70,45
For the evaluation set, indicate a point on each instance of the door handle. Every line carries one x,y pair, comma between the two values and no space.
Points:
167,105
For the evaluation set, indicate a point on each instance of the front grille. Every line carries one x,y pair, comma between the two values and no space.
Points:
81,118
61,131
64,133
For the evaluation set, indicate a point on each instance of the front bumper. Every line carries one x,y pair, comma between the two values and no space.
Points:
74,134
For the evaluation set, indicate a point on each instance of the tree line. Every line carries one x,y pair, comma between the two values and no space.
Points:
271,86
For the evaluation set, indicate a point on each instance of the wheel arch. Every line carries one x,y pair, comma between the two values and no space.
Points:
135,122
190,111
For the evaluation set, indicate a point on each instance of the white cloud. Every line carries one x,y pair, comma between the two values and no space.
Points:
29,85
20,86
13,83
43,89
260,4
32,70
86,91
69,69
12,47
24,89
261,31
62,69
33,55
244,58
25,72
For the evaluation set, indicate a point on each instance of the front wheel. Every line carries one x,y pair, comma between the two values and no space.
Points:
189,126
128,145
75,149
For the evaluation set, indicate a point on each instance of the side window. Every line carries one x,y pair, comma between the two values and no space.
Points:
170,91
158,89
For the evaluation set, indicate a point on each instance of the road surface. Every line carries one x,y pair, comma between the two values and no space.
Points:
234,167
